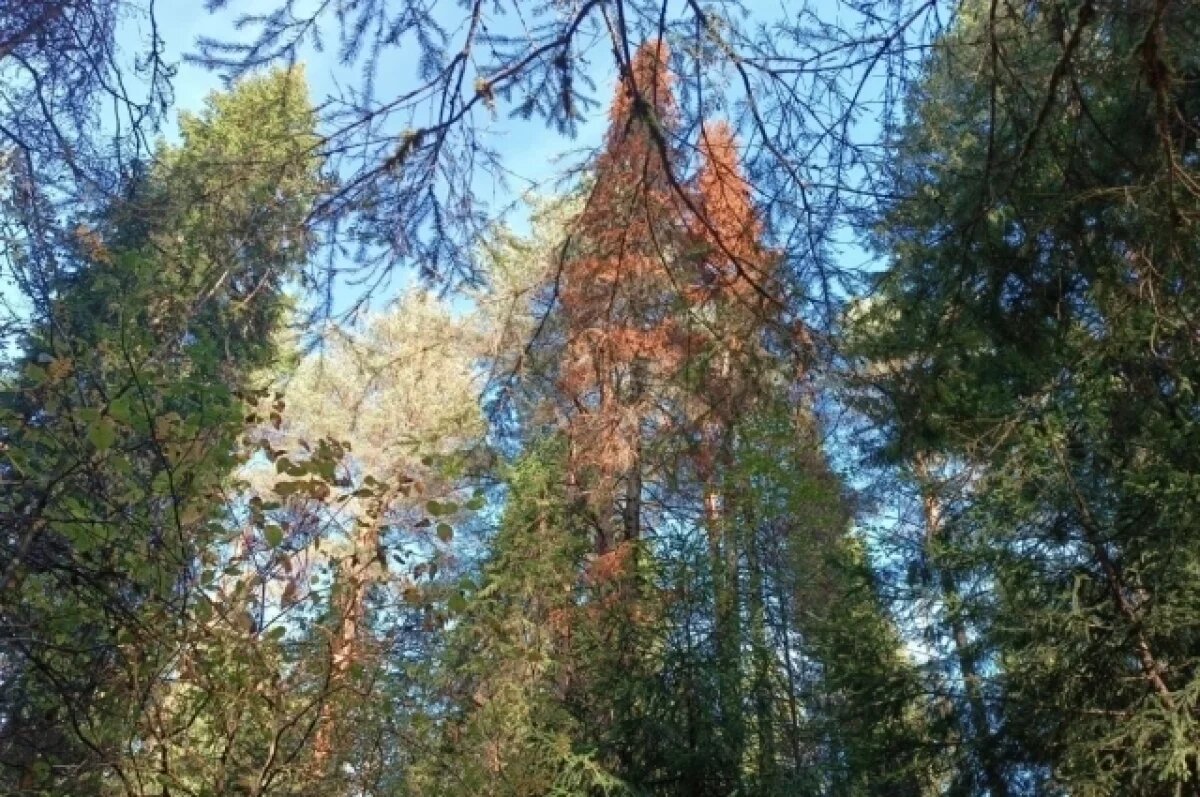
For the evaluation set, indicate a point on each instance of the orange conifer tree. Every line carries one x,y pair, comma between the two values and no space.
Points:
736,275
666,289
620,295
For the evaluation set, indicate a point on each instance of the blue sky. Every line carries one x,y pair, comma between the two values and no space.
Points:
530,150
533,154
528,147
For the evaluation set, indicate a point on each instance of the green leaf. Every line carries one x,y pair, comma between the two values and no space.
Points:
445,532
102,434
273,535
35,374
439,508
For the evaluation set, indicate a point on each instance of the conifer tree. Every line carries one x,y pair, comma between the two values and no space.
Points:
620,289
121,431
1041,251
514,658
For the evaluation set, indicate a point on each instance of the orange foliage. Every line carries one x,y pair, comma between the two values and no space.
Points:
618,293
737,272
559,621
611,566
736,261
649,80
647,248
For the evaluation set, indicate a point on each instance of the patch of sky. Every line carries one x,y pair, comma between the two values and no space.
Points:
533,156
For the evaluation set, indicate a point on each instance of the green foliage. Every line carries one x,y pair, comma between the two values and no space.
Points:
860,692
233,566
509,662
120,435
1031,338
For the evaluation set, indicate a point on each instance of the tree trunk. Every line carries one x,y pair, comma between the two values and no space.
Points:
355,579
981,736
631,512
723,560
761,657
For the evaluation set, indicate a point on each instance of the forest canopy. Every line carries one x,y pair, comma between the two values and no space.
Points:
821,423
